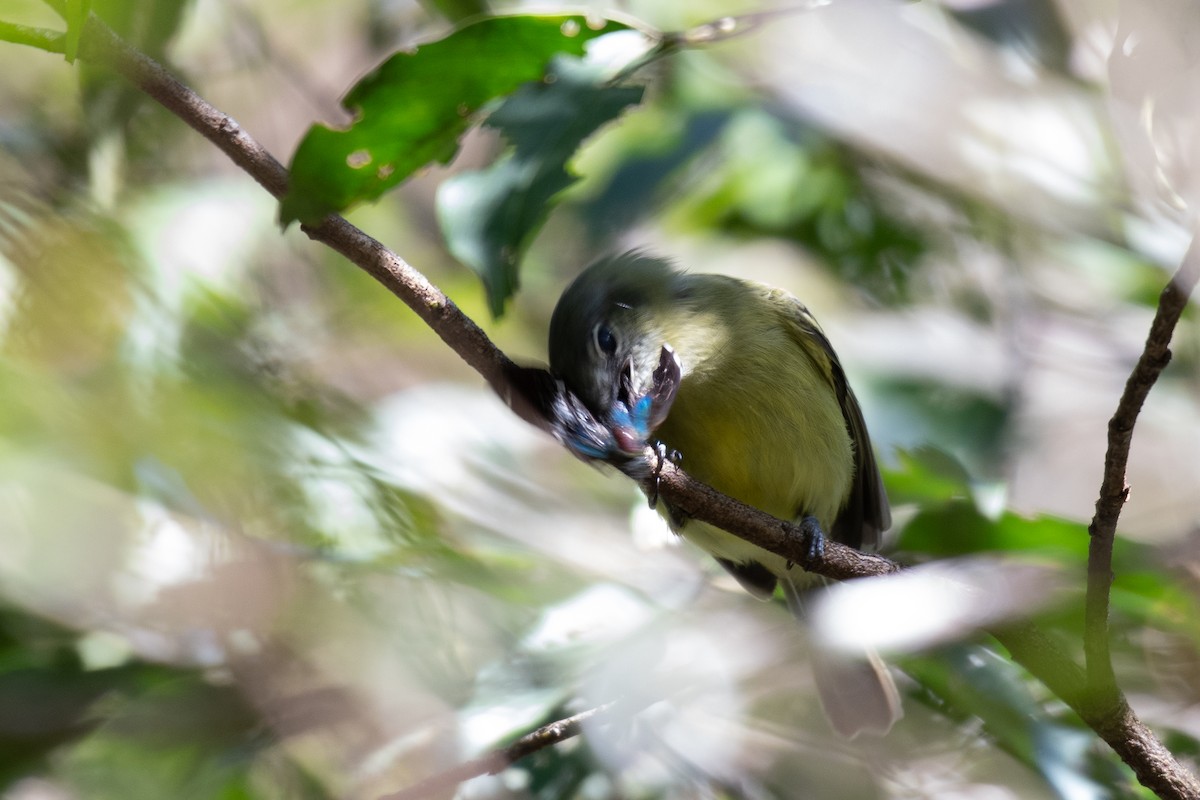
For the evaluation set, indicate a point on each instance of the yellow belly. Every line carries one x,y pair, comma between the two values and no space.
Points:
761,424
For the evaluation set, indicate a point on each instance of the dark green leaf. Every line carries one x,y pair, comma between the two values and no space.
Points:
957,528
411,111
636,188
489,217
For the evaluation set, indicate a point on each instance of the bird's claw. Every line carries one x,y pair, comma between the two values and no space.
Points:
662,456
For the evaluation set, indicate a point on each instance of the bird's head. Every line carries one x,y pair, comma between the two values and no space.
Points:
608,345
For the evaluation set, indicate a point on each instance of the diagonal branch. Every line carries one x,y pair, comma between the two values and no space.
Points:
102,45
1113,490
1116,724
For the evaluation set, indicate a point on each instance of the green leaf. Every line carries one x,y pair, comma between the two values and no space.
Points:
76,17
927,474
954,528
411,111
489,217
957,528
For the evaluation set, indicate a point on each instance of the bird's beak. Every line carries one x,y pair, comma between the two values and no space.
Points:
634,418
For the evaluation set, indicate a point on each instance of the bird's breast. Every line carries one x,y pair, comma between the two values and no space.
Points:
756,420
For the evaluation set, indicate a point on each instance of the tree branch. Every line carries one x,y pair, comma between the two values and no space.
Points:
1113,490
783,538
1116,724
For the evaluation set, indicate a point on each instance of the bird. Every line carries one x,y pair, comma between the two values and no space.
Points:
738,381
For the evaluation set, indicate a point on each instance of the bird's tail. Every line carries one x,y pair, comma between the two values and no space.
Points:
856,690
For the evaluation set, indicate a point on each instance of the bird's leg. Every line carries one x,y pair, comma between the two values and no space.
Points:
816,539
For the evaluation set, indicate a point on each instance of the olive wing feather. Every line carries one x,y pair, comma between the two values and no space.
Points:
866,514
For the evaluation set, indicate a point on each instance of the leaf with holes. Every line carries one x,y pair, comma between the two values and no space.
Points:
412,110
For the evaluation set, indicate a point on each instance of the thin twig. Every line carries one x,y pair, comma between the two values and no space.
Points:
1136,745
1114,491
501,758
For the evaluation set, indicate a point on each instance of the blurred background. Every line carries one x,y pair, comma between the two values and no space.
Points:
263,535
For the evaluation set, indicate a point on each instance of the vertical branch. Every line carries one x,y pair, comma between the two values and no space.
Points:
1114,491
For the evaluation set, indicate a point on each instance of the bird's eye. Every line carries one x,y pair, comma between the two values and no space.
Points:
606,340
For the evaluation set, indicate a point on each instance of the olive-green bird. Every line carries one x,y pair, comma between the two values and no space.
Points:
739,379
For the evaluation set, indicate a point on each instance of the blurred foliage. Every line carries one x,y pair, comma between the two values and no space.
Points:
970,682
779,177
489,217
263,537
109,101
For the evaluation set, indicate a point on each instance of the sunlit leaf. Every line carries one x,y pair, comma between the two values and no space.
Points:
412,109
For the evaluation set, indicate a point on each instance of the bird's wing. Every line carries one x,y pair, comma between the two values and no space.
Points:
866,514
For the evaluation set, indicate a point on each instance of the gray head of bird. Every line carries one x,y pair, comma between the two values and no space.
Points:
607,344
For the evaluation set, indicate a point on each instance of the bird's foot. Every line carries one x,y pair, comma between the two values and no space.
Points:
816,539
